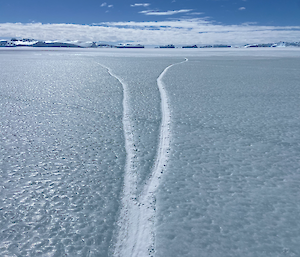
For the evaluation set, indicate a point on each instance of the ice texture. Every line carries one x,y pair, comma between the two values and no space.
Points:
230,183
62,157
233,182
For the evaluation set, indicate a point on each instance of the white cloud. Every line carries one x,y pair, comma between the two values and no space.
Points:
195,13
140,4
242,8
151,12
110,6
103,4
178,32
249,23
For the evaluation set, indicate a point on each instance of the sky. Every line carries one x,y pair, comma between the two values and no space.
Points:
154,21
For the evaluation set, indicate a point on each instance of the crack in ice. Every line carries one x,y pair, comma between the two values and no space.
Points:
136,236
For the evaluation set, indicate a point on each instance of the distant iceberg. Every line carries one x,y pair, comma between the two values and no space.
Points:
54,44
129,46
167,46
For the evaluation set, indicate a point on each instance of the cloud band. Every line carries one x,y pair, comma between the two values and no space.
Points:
188,31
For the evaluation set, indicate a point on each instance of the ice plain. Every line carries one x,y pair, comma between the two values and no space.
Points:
230,183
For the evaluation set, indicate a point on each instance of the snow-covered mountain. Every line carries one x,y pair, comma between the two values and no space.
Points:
82,44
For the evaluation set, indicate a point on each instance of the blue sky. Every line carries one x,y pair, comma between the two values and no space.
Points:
232,19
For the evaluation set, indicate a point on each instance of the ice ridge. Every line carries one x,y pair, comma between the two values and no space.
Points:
136,235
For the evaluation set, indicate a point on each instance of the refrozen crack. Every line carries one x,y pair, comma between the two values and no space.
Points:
136,235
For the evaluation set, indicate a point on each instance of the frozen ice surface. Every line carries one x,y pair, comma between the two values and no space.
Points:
232,186
231,183
62,157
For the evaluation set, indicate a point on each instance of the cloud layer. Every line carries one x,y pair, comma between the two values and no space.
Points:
182,32
140,4
152,12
